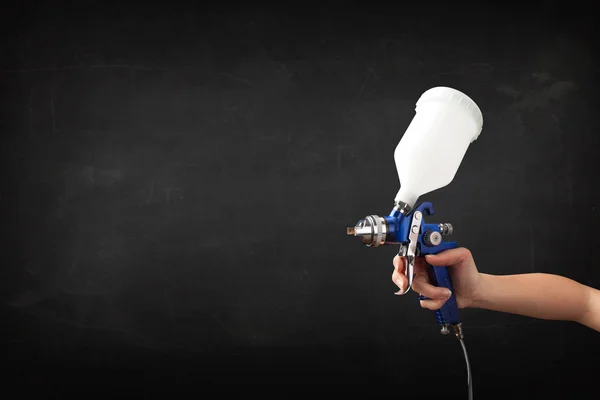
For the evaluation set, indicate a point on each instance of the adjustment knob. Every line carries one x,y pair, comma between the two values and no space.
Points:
445,331
432,238
446,228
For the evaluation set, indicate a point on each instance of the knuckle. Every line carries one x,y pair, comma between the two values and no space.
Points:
465,253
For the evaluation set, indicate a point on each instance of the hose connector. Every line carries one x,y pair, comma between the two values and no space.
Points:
458,331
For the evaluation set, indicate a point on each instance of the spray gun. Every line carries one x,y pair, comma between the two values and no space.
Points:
427,158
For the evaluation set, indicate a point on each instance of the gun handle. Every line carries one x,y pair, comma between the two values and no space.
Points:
448,314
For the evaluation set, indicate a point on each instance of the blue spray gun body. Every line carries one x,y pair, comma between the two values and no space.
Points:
416,237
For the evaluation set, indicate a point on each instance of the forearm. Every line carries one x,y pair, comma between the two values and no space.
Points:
543,296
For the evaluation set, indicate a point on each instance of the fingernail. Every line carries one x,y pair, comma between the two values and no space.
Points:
448,294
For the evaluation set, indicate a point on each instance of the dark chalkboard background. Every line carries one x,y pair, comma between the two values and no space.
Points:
177,182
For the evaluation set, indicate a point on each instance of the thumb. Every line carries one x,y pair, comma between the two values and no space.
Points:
449,257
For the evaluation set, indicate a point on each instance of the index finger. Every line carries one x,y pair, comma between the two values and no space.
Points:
399,263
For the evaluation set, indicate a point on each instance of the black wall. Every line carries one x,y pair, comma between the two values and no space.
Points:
177,182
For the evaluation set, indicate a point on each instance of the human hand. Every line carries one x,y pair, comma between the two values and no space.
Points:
461,267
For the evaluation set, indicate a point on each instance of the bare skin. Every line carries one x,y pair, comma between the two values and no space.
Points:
536,295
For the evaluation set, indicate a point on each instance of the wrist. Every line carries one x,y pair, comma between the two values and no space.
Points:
479,297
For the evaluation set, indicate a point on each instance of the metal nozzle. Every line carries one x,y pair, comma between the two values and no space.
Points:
372,230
